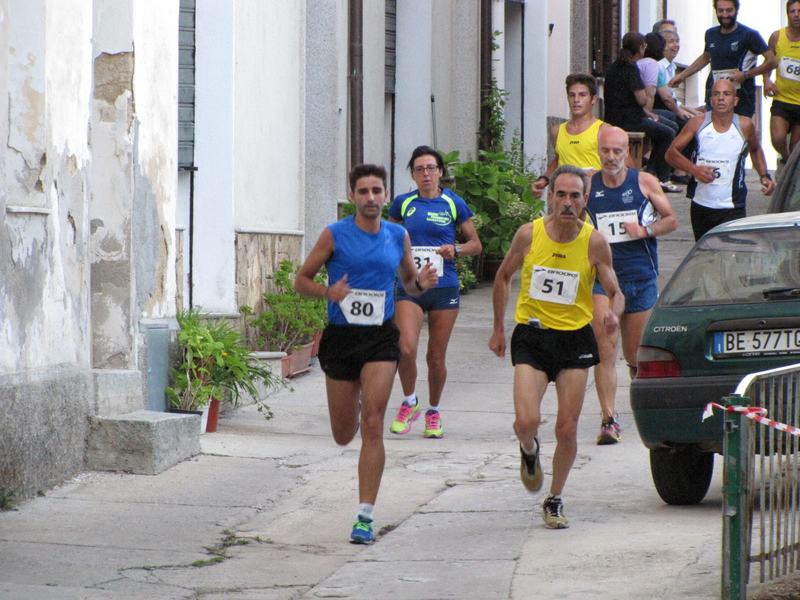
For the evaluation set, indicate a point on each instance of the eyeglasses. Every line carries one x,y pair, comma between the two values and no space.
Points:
428,168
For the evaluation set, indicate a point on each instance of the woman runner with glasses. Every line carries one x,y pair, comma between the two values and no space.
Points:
431,215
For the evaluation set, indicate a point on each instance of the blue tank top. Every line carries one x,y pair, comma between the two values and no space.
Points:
370,260
432,222
634,260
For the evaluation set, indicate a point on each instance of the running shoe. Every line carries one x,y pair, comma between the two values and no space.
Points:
433,424
553,513
362,531
530,471
406,415
670,188
681,179
609,432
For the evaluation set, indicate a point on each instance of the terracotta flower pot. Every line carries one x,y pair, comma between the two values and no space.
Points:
298,361
213,416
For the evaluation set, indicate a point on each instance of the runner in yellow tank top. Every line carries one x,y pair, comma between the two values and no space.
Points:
579,150
557,280
575,141
553,339
785,91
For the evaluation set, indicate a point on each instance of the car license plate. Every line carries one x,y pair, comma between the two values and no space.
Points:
762,342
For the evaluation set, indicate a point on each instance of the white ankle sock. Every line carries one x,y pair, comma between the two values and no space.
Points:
411,400
365,510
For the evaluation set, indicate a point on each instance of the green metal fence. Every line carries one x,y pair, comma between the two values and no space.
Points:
761,482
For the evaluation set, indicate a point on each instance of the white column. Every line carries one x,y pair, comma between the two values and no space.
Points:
535,106
214,253
412,86
499,55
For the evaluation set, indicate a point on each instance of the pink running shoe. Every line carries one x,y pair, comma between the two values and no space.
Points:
406,415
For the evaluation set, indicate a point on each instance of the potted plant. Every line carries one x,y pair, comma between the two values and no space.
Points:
213,364
497,188
289,321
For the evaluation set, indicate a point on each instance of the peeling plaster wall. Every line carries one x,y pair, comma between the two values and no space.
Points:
87,196
45,380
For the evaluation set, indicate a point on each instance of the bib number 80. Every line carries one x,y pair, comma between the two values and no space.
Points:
364,307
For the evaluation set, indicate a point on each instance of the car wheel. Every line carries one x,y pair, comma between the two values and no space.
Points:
681,475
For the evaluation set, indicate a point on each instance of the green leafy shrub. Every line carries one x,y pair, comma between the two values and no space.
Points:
466,275
213,362
498,190
289,320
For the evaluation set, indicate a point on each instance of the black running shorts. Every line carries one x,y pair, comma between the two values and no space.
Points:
551,350
344,349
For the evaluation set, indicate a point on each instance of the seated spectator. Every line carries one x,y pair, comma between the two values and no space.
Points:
664,102
648,69
667,67
625,99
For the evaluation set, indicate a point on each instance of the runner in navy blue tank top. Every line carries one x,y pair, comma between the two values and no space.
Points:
630,209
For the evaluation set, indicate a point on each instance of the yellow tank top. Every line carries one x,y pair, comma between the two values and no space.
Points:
788,79
557,280
579,150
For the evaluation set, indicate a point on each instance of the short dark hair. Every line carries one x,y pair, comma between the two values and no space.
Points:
587,80
360,171
655,46
569,170
425,151
735,4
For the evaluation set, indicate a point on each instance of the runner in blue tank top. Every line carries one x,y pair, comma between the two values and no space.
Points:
359,348
431,215
630,209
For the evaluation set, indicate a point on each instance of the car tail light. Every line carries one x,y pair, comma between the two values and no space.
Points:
655,362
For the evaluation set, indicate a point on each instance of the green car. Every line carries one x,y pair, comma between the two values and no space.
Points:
731,308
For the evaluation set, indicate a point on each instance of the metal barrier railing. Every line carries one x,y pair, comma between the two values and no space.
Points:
761,482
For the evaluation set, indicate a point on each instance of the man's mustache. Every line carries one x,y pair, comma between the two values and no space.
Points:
567,211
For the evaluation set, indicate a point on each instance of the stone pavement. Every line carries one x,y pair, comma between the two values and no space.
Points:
264,513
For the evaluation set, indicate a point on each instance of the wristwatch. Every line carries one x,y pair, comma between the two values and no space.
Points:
765,176
458,249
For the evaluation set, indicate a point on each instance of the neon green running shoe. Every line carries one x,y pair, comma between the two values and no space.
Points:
362,531
433,424
406,415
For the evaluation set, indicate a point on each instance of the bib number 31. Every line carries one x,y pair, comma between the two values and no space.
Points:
364,307
554,285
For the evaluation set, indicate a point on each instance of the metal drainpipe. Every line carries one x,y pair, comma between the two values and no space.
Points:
484,140
356,81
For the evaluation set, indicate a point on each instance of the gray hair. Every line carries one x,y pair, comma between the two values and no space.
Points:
659,24
569,170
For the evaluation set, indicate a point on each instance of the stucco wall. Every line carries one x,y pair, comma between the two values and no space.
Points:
89,182
269,110
324,173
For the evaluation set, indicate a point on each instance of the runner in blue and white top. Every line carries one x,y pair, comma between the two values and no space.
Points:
359,349
732,49
431,215
723,139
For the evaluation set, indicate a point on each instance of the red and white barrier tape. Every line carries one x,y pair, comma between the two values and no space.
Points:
756,413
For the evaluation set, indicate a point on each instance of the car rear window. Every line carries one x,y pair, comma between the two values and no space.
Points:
738,267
